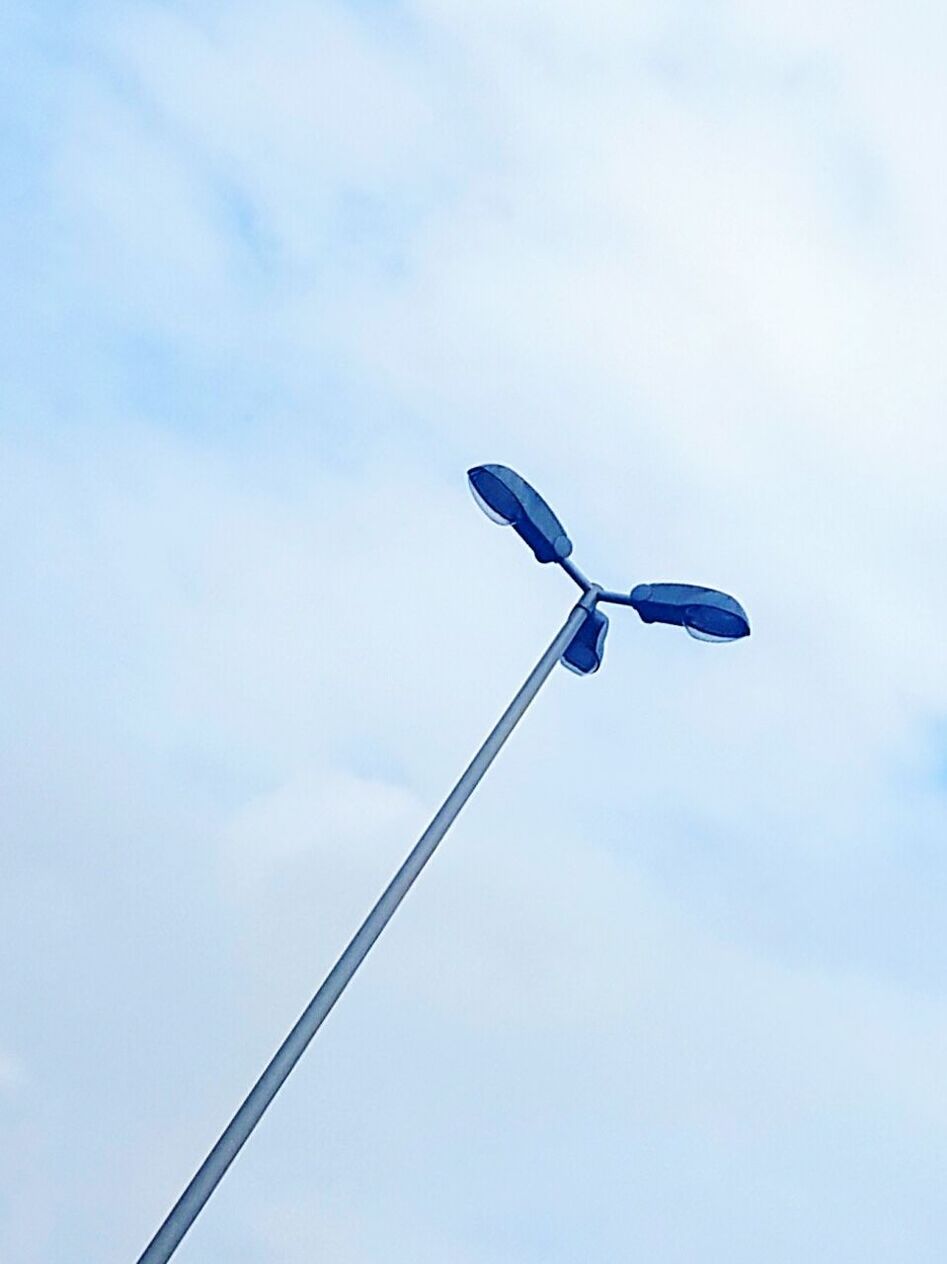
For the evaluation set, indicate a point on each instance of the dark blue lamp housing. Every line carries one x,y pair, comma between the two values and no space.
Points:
587,647
704,613
509,500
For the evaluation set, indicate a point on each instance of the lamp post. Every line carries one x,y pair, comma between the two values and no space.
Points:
579,644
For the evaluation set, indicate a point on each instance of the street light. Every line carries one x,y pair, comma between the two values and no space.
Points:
507,499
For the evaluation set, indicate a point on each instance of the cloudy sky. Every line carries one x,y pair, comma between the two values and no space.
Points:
274,275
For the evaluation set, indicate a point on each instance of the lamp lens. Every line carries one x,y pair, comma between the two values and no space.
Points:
709,623
495,499
491,513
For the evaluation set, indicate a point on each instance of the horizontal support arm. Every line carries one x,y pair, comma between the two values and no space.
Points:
615,598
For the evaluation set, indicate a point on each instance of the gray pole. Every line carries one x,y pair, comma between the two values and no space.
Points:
186,1210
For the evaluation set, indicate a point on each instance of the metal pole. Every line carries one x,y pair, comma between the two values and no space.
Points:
205,1180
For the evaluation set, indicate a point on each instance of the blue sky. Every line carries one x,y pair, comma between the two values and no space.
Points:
275,276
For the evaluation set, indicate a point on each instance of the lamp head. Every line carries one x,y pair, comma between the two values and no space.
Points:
508,499
704,613
587,647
